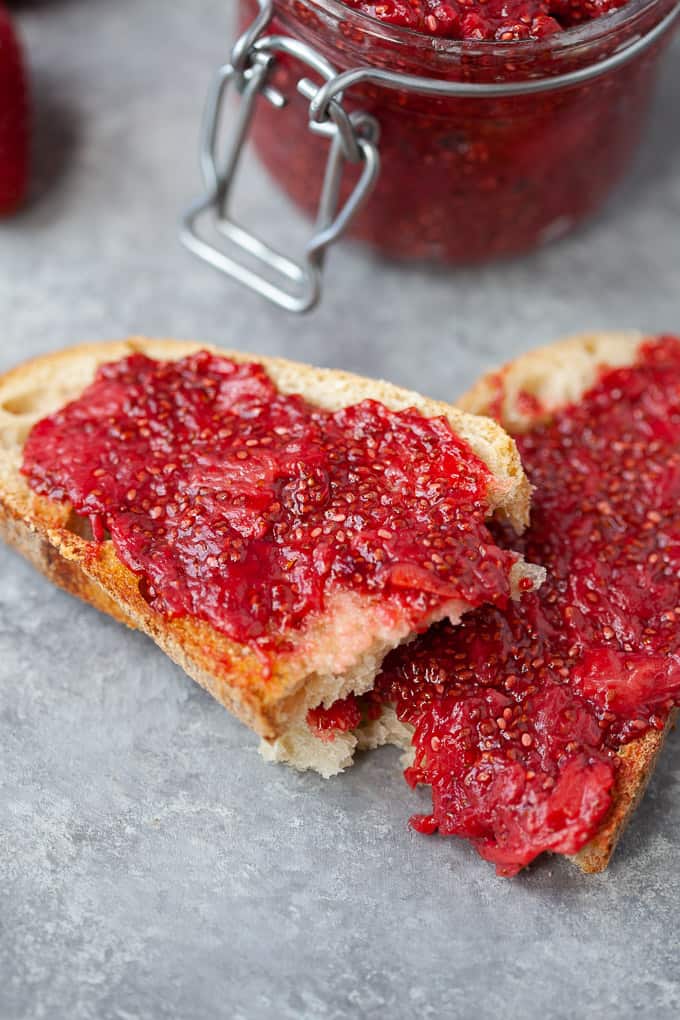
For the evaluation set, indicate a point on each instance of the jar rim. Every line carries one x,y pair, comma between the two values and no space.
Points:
596,30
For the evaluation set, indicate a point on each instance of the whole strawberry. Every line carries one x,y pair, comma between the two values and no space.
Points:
14,129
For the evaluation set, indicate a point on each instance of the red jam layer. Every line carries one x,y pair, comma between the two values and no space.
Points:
244,507
500,20
343,715
518,714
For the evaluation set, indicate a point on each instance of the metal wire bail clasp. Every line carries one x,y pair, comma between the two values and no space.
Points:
295,286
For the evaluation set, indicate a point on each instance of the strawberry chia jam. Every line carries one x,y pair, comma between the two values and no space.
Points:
502,20
467,179
245,507
518,713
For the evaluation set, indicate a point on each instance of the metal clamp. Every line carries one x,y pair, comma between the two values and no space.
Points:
353,138
294,286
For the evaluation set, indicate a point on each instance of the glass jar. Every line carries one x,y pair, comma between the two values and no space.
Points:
466,179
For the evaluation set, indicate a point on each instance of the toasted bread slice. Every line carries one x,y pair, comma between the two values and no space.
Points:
333,654
556,376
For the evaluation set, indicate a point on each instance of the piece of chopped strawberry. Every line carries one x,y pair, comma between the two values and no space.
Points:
624,683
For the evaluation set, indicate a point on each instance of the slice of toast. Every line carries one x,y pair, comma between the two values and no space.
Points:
333,653
556,376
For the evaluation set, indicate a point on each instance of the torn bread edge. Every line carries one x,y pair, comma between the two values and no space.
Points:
300,747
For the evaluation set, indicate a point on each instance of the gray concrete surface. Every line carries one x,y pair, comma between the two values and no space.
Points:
151,866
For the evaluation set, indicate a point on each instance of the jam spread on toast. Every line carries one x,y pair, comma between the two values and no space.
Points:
245,507
518,712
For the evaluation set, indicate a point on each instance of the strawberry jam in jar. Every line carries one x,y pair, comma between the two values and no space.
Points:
556,94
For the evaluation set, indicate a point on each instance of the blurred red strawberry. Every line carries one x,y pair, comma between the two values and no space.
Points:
13,119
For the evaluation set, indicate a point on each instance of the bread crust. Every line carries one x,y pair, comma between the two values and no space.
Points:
556,376
46,534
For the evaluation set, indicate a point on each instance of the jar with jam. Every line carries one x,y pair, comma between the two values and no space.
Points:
464,130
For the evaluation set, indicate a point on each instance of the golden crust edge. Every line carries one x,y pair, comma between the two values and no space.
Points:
64,567
637,763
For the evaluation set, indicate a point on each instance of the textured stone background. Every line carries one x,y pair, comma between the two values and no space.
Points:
150,864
